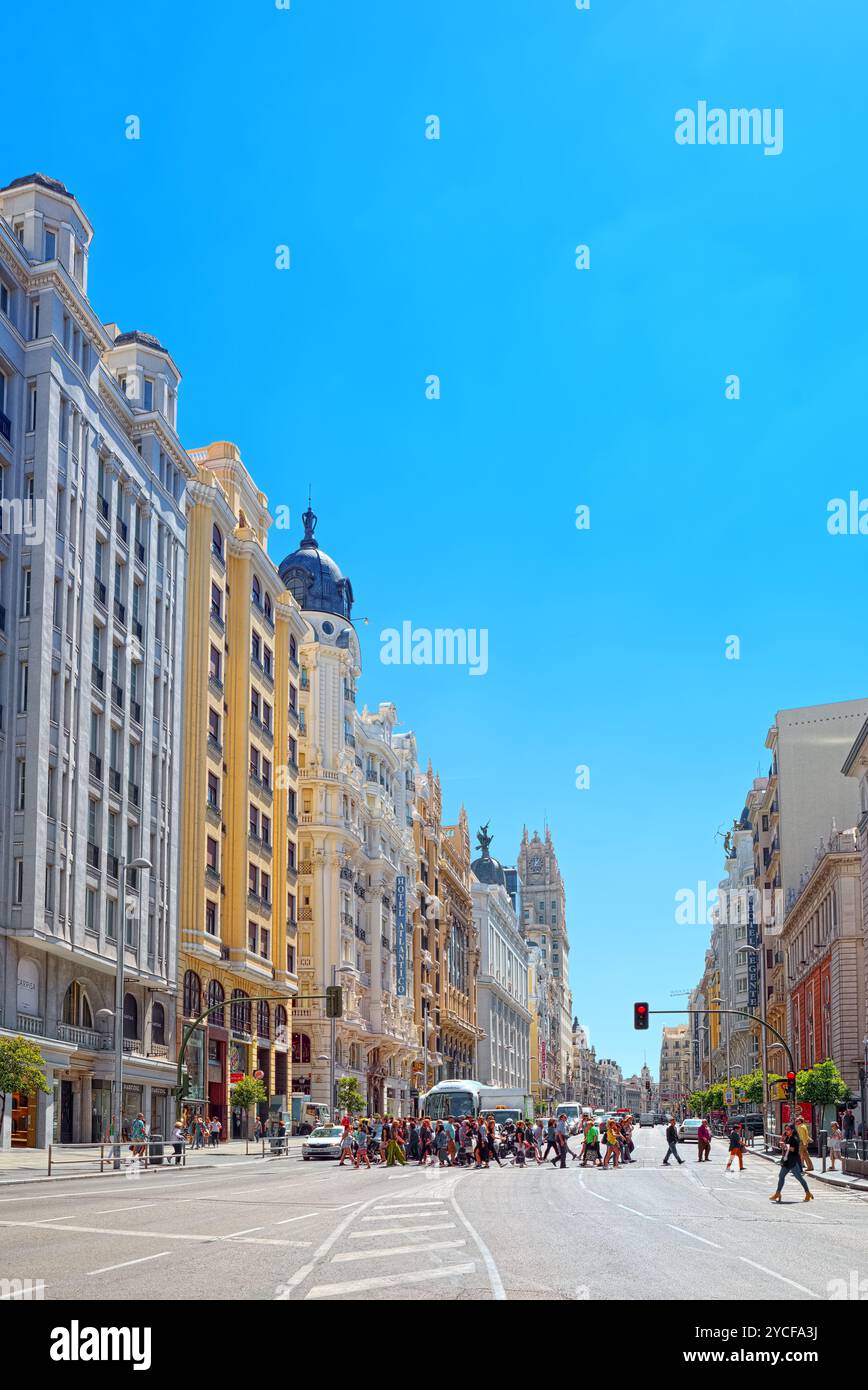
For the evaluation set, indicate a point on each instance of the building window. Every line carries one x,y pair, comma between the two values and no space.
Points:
216,996
210,917
31,408
256,593
23,679
192,994
148,400
50,244
217,540
211,854
213,791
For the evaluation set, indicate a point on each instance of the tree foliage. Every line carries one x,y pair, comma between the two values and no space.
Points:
350,1098
248,1092
22,1068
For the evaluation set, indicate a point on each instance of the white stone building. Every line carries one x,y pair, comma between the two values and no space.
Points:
92,568
503,1012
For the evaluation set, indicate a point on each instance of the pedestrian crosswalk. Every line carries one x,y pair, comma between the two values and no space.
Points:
395,1233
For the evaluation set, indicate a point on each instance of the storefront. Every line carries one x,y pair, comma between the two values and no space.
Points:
23,1120
217,1079
132,1106
194,1059
162,1111
101,1110
239,1066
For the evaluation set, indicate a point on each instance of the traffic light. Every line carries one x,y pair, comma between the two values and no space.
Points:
640,1015
791,1087
334,1001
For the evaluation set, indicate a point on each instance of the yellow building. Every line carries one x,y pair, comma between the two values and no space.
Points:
459,1029
240,786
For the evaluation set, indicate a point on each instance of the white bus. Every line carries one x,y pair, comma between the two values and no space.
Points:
473,1099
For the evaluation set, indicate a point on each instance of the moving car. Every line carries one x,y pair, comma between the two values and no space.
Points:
688,1131
324,1142
647,1120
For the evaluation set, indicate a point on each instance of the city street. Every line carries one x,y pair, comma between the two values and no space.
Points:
288,1229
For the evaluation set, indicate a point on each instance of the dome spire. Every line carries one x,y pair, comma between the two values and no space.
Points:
310,520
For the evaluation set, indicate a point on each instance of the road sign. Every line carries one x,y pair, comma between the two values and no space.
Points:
258,1075
728,1096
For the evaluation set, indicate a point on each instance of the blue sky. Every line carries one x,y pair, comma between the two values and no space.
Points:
708,517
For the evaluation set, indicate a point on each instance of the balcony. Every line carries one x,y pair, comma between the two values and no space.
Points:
32,1024
133,792
95,768
212,876
123,532
138,629
215,746
112,865
117,695
347,920
140,552
217,620
83,1037
215,683
5,427
102,504
135,711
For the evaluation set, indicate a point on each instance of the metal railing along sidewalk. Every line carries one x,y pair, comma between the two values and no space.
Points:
108,1155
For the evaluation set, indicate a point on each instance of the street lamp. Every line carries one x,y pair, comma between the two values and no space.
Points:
117,1100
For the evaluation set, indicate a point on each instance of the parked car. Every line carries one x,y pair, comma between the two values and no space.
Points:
647,1120
751,1124
688,1131
324,1142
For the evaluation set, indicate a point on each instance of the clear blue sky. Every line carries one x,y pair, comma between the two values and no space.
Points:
559,387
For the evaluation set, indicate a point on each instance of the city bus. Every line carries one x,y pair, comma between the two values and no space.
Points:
471,1098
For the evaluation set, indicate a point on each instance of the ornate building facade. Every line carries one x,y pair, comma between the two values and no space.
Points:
243,634
355,842
542,917
503,1005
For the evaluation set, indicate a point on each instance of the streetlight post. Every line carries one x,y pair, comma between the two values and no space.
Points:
343,970
118,1105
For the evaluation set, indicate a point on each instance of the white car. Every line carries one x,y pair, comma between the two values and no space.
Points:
324,1142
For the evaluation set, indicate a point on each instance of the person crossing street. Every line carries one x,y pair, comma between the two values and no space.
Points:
672,1141
790,1163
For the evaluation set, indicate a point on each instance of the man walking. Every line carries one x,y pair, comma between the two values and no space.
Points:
672,1141
703,1142
790,1164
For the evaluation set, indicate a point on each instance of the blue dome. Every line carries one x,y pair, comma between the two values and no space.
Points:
314,579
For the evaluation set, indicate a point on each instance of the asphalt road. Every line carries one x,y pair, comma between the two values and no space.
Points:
287,1229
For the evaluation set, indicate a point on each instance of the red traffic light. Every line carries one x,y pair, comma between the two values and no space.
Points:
791,1076
640,1015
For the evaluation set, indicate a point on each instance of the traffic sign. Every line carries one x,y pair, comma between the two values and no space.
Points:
258,1075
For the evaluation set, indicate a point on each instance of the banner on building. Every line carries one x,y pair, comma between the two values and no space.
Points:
752,959
401,934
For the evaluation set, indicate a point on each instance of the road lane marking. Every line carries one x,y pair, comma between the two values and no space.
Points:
285,1289
153,1235
406,1231
124,1263
783,1278
248,1231
643,1214
389,1281
289,1219
494,1278
599,1196
107,1211
407,1215
397,1250
46,1197
396,1206
693,1236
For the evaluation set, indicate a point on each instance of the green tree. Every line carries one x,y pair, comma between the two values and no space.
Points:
752,1085
246,1093
822,1084
350,1099
22,1068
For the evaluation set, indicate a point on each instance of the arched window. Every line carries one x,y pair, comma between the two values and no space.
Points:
131,1016
192,995
240,1011
158,1025
267,606
263,1019
216,995
280,1025
76,1008
217,540
257,592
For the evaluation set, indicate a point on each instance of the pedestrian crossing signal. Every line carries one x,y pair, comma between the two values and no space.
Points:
791,1087
334,1001
640,1015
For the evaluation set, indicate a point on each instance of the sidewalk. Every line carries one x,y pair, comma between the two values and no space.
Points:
31,1165
836,1179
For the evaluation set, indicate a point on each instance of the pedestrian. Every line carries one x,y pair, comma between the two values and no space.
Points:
591,1146
834,1145
672,1141
626,1130
178,1140
215,1128
804,1140
538,1137
790,1163
613,1147
426,1143
848,1123
257,1129
394,1150
347,1147
441,1144
736,1148
449,1126
362,1147
137,1135
491,1143
551,1139
703,1143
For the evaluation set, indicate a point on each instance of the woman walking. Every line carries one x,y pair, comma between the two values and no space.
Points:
362,1147
347,1147
612,1145
441,1144
790,1164
736,1148
834,1145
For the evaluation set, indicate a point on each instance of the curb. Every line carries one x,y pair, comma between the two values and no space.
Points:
125,1172
854,1185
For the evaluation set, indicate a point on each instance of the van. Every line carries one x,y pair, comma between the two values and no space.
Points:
647,1120
573,1112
